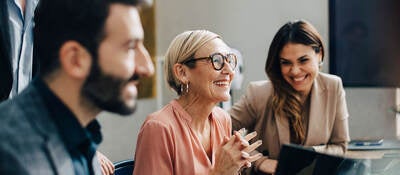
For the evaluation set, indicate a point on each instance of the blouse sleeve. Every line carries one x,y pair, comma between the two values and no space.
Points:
154,150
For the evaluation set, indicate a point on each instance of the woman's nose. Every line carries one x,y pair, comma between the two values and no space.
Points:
228,68
295,69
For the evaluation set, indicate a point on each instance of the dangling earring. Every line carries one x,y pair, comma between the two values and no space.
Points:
184,90
181,89
321,63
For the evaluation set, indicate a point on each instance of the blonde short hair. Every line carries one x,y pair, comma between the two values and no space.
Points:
182,48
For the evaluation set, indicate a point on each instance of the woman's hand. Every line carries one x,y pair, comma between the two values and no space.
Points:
107,167
235,154
268,166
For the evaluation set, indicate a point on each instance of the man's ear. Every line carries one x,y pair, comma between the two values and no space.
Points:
75,60
180,73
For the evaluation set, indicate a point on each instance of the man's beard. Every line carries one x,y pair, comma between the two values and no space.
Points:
105,91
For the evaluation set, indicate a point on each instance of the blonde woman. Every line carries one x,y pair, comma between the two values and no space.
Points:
191,135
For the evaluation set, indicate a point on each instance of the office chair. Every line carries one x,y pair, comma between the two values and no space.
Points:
124,167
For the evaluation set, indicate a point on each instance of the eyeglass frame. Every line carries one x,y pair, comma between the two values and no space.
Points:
224,57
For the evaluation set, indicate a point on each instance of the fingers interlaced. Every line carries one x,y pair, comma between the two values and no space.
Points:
247,148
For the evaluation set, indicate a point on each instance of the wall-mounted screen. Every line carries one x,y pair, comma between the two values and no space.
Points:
364,42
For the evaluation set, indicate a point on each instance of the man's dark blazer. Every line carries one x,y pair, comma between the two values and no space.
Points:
5,48
6,76
30,141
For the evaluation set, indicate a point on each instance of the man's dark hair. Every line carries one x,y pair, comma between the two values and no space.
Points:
58,21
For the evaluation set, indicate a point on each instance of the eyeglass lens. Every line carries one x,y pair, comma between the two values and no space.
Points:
218,61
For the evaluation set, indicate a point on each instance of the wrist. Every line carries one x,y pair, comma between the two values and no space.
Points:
258,162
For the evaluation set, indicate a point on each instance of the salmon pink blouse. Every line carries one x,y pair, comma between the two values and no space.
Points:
168,145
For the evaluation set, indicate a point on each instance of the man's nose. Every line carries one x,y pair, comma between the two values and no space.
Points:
144,64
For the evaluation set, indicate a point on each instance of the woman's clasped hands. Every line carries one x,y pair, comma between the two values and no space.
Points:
236,153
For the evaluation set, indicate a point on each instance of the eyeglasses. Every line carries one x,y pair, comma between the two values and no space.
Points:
218,60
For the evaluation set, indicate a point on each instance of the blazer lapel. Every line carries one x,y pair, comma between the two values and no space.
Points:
58,156
316,121
53,146
282,125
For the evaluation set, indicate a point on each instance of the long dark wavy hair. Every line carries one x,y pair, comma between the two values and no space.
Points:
285,100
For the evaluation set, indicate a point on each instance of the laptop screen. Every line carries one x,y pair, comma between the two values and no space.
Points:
297,160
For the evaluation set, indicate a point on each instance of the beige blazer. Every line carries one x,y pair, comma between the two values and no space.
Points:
328,117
